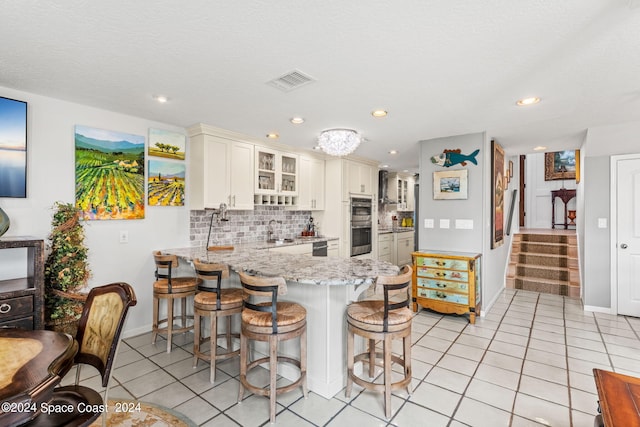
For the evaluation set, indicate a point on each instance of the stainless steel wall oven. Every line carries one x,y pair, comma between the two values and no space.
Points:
361,214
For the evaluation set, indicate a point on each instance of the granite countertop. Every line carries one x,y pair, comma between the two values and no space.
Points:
299,240
296,268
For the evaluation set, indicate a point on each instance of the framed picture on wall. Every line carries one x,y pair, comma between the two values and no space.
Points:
450,185
561,165
13,148
497,195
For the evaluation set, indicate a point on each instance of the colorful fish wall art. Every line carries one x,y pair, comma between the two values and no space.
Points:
450,158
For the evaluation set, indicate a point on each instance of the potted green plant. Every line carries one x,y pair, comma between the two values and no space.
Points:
66,269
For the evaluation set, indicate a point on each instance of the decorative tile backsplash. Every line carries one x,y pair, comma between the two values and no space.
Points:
246,226
386,213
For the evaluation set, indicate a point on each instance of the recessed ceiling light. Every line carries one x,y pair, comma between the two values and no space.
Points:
393,151
539,148
406,170
378,113
160,98
273,135
317,147
384,166
528,101
296,120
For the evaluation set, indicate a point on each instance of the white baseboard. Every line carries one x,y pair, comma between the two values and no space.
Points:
597,309
128,333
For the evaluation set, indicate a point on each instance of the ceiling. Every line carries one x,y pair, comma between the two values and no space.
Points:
439,67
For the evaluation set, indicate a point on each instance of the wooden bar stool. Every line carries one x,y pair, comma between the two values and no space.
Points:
214,302
382,320
271,321
170,288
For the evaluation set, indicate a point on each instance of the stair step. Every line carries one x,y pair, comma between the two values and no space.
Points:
547,286
542,272
549,260
545,238
544,248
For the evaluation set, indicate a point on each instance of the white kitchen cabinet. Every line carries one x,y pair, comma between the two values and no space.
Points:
385,247
333,251
276,174
219,173
359,178
403,247
400,188
311,194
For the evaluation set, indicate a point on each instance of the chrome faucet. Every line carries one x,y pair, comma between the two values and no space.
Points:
270,228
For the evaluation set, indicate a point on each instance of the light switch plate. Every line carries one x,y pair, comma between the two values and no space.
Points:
428,223
445,223
464,224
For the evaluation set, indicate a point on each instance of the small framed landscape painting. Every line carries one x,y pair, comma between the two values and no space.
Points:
166,183
450,185
164,143
13,148
562,165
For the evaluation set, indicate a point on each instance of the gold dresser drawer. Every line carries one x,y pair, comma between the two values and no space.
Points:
442,285
449,264
443,296
436,273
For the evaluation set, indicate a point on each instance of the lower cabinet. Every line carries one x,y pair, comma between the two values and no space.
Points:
385,243
447,282
333,251
404,247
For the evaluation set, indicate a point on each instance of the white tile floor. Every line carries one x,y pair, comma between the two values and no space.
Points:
528,362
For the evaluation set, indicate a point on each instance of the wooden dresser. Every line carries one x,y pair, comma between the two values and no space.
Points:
22,298
447,282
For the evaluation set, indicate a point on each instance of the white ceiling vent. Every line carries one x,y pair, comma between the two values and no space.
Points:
291,80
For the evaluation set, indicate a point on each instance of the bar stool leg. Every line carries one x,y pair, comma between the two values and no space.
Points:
350,357
156,304
196,337
213,343
407,360
372,358
229,346
243,365
387,347
184,311
303,362
169,322
273,370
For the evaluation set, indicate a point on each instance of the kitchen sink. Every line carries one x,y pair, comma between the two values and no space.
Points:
280,241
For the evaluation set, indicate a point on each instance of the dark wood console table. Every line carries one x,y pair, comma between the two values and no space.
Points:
565,195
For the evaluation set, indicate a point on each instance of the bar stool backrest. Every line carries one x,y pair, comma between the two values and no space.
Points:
208,272
260,289
164,266
396,292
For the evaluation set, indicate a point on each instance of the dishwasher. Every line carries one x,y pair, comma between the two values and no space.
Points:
320,248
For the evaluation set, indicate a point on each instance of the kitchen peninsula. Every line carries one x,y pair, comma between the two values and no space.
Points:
323,285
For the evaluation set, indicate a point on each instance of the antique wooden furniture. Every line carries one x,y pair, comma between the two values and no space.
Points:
565,195
270,321
214,302
99,329
32,363
170,288
22,299
382,320
447,282
619,399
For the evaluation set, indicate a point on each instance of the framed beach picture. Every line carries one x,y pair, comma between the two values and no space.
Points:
450,185
168,144
13,148
562,165
165,181
497,195
109,174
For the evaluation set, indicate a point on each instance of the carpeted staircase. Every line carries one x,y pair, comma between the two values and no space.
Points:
545,262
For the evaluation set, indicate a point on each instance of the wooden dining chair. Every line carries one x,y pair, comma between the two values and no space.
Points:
98,337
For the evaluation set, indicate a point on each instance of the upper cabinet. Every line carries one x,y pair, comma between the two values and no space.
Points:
359,178
311,194
400,187
276,177
218,169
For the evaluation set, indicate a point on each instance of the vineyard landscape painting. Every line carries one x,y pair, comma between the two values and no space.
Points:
109,174
166,183
164,143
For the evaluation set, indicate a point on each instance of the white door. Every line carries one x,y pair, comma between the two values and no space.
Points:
627,245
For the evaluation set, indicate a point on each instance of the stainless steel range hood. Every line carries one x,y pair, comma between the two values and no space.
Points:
383,177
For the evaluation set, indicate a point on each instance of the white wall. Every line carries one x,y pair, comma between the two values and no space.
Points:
51,178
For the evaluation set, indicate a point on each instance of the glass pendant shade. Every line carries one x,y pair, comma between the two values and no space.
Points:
339,142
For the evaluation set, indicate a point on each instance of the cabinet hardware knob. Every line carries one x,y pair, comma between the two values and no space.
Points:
5,308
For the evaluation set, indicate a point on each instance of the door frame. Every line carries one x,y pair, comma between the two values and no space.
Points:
613,220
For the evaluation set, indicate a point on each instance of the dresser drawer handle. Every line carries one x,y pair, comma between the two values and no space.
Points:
441,274
441,263
441,285
441,294
5,308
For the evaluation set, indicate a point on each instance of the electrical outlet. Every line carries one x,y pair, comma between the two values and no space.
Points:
124,236
602,222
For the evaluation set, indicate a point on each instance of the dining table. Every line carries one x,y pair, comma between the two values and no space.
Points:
32,363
